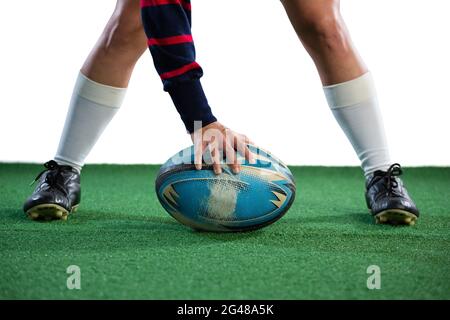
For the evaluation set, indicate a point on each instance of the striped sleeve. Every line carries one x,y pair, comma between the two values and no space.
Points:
167,24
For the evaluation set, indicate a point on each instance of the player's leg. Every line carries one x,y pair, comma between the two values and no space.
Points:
324,35
102,83
123,41
98,94
351,95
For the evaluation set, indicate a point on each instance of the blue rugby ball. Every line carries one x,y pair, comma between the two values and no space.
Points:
256,197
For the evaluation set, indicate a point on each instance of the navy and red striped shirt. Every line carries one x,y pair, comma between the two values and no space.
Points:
167,24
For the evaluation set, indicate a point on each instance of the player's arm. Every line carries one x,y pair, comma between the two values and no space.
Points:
167,24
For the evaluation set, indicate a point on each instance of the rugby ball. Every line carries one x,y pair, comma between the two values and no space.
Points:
256,197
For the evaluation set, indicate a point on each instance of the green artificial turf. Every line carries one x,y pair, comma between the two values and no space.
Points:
128,247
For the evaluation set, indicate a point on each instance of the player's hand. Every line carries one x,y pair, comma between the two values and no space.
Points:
219,140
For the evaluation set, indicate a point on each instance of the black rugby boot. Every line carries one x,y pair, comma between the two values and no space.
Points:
387,198
57,194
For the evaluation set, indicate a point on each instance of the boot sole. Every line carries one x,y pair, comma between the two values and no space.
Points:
396,217
49,212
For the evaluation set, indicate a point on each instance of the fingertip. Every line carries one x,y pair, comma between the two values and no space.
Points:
217,169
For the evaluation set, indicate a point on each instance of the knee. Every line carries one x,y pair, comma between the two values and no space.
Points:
323,31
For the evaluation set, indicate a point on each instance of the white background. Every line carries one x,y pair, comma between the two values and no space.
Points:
258,78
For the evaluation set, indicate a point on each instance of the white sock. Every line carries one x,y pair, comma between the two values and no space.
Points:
92,107
355,107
